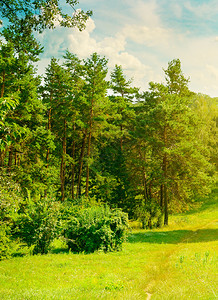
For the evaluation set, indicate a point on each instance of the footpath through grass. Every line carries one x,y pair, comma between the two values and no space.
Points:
177,262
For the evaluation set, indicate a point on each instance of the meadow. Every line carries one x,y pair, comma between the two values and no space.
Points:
174,262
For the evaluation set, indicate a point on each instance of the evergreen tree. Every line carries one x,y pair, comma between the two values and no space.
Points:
8,97
114,155
172,126
58,98
95,89
75,71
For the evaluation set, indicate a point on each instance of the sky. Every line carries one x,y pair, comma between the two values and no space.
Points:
143,36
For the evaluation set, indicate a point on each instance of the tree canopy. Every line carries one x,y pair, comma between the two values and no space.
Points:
41,14
24,17
81,137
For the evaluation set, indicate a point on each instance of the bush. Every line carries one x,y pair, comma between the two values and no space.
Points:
10,201
149,214
37,225
5,241
8,246
96,228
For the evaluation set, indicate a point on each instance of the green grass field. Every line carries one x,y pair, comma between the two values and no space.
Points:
175,262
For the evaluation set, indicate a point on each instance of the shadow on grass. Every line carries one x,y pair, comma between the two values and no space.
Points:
59,251
175,236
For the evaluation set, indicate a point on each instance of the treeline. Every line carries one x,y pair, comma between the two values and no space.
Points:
77,135
80,148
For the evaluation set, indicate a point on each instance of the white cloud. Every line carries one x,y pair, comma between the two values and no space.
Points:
201,64
213,71
82,44
203,10
148,36
143,48
144,12
177,10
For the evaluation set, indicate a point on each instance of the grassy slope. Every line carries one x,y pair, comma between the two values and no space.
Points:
177,262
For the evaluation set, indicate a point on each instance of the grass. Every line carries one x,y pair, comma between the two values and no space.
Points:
175,262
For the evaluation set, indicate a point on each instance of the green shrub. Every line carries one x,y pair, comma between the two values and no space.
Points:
37,225
96,228
5,241
149,214
8,246
10,201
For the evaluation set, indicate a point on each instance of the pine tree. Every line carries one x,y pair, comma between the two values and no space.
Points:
171,128
114,154
56,96
95,89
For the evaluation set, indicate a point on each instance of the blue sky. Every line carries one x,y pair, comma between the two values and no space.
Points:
143,36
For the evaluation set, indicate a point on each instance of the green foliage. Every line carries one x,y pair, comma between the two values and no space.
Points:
10,247
39,15
37,225
148,213
24,17
67,139
96,228
24,222
10,201
5,241
176,81
149,263
171,158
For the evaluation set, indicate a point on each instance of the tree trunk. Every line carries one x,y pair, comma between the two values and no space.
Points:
48,152
165,206
2,158
3,84
78,192
144,185
15,158
144,180
165,197
2,154
150,190
73,164
121,126
161,197
49,128
88,156
89,145
10,158
63,164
